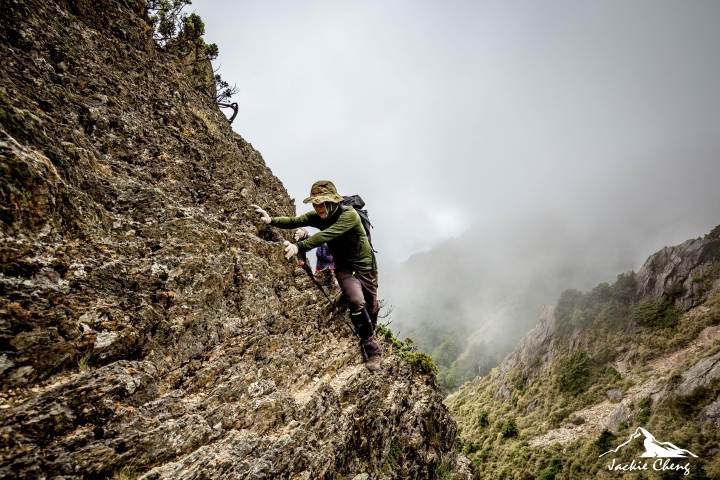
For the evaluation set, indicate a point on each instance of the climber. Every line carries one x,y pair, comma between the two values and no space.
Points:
324,258
355,265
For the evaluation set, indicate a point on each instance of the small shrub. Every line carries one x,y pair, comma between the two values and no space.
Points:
552,469
567,303
443,472
126,473
483,418
84,361
604,440
393,453
470,448
623,426
509,428
604,354
676,290
645,402
514,401
420,361
643,416
675,379
697,278
579,319
612,373
714,234
656,314
574,373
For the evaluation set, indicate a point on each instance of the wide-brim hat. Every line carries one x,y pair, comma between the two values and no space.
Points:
323,191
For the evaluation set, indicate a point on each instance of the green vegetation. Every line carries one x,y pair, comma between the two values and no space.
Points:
393,456
417,360
714,234
181,35
84,361
483,418
442,472
656,314
594,329
553,468
605,440
606,307
578,380
456,360
574,373
643,416
126,473
509,428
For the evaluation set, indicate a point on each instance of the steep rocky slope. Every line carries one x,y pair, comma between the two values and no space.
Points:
642,351
149,326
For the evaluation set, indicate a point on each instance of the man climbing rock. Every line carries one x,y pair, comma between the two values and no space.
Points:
355,265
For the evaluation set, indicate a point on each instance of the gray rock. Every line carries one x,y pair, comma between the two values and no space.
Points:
577,420
502,393
534,349
614,394
699,375
673,268
465,469
105,339
362,476
533,405
619,415
5,363
709,416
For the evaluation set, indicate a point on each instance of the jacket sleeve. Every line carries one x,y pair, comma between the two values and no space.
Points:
343,224
293,222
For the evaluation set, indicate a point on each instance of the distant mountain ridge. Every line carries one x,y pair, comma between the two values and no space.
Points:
640,354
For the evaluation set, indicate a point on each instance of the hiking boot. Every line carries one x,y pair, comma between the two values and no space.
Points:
373,363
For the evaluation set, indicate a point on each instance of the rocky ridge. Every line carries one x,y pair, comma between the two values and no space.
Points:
149,326
665,377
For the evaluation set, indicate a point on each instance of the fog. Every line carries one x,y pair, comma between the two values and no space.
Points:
558,142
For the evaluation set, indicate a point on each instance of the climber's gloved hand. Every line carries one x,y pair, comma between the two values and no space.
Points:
300,234
264,215
290,249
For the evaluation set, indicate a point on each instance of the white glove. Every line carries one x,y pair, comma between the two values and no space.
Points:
300,234
290,249
265,217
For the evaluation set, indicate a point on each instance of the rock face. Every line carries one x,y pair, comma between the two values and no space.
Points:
673,273
148,323
699,375
534,349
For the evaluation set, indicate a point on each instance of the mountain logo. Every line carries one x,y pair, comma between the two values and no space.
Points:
653,448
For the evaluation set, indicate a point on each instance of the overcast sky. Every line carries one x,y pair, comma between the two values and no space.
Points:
446,114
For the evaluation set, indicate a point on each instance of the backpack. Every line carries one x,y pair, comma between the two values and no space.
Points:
357,203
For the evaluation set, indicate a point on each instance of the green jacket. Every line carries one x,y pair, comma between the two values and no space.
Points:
344,234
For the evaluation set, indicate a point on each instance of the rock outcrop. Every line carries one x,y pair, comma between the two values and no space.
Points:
609,369
673,273
535,349
148,324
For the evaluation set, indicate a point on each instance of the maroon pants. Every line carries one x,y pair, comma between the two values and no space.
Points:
361,292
